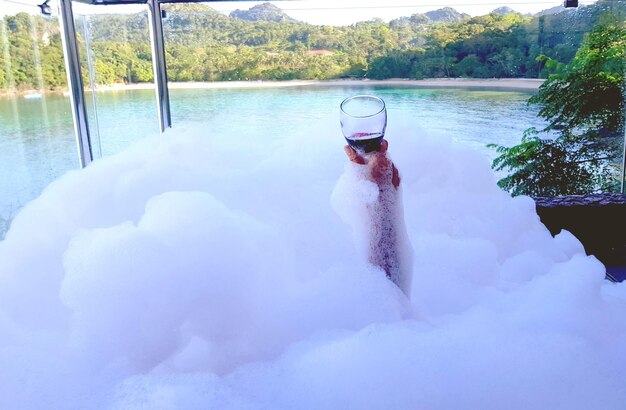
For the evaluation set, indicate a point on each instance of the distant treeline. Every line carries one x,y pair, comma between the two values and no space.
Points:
204,45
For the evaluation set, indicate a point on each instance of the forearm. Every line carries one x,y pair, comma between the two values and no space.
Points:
385,239
388,244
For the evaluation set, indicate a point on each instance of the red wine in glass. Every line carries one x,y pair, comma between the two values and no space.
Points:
363,121
365,142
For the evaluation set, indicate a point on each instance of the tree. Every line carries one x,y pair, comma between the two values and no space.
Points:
583,101
468,66
587,93
568,165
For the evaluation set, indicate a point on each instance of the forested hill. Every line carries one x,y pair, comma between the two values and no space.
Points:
263,12
446,15
265,43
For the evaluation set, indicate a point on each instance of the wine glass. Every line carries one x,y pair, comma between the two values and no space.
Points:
363,121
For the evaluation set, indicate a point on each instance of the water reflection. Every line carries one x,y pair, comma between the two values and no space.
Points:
34,151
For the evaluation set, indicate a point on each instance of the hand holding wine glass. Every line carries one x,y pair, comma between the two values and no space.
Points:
382,169
363,122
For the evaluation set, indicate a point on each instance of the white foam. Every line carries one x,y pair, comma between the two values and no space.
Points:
195,271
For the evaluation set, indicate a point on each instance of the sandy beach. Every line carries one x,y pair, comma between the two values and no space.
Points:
476,83
479,83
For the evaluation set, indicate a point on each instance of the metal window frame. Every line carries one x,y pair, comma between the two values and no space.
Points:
75,81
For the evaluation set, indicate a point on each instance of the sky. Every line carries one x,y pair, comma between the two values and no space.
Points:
329,11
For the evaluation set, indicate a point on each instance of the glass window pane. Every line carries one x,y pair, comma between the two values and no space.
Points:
229,65
116,59
37,141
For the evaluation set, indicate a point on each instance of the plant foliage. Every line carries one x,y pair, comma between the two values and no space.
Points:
583,101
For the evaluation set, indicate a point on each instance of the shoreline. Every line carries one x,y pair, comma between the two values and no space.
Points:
520,84
485,83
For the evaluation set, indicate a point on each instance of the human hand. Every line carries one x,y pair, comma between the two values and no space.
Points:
382,170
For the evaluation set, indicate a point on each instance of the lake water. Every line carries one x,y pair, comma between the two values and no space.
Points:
37,143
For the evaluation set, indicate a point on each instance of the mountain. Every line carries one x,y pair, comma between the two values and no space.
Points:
412,21
504,10
446,15
263,12
550,11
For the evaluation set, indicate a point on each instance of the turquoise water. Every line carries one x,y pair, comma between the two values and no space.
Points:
37,144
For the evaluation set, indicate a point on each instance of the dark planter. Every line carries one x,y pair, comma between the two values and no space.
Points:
597,220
